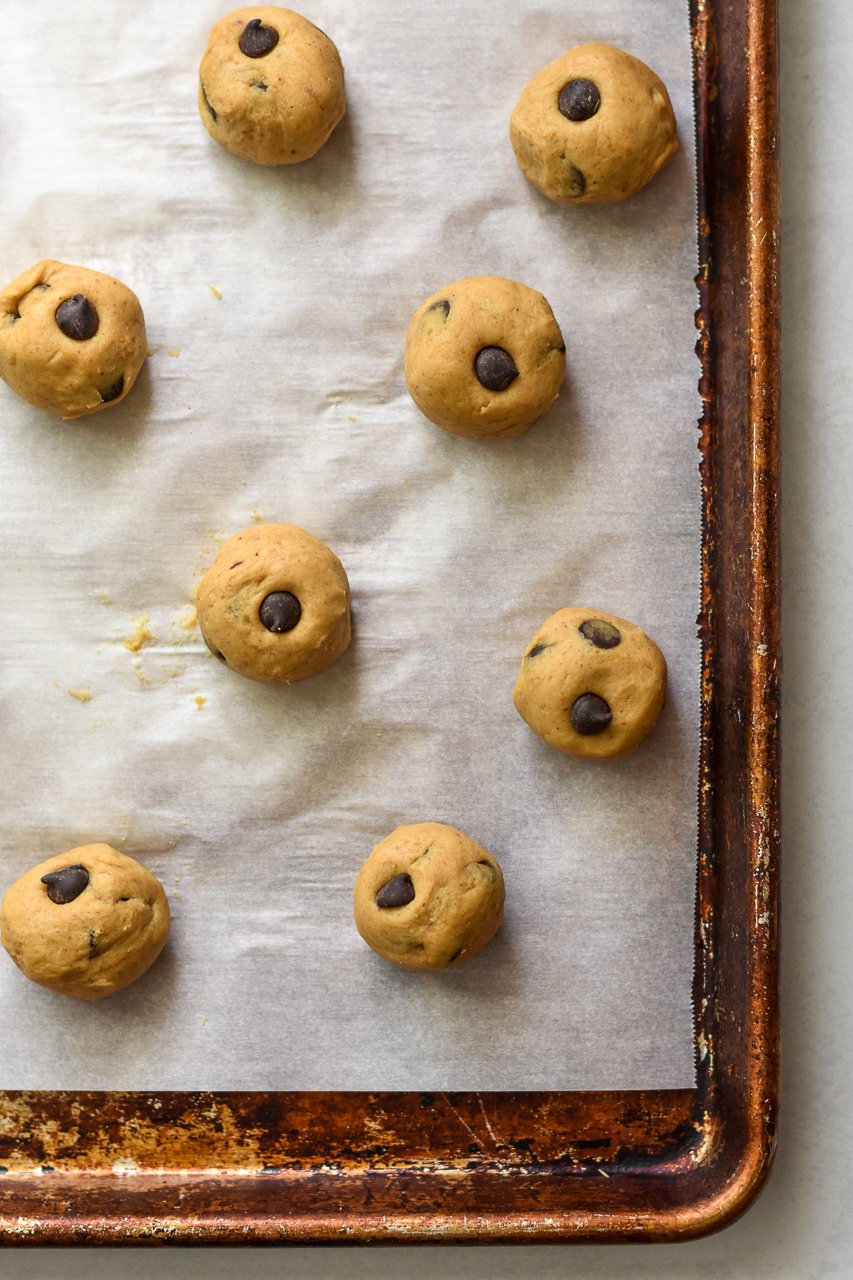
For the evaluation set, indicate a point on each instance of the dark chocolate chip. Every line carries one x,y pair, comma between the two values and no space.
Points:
579,100
457,954
258,40
113,392
600,633
578,184
259,84
537,649
590,714
66,884
397,892
495,368
207,103
93,944
562,348
215,652
77,318
280,611
441,305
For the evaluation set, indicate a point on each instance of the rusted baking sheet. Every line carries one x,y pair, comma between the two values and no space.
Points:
232,1168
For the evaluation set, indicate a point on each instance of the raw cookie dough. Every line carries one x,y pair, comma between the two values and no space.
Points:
85,923
271,85
71,340
275,604
593,127
484,357
591,684
428,897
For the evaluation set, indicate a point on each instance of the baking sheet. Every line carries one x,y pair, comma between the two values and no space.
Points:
284,399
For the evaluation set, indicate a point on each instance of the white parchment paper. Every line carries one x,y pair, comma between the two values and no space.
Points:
284,399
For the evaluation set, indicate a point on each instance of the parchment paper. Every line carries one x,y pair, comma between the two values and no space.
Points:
284,399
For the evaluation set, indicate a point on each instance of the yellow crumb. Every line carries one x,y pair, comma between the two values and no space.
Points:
142,633
213,289
405,479
172,672
96,724
200,700
138,672
105,597
82,695
256,515
174,351
189,618
351,417
152,351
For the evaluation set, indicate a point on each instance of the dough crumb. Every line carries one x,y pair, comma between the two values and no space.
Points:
138,672
174,352
351,417
199,700
105,597
256,516
213,289
82,695
189,618
139,637
152,351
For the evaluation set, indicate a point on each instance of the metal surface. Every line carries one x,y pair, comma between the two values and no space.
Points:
234,1168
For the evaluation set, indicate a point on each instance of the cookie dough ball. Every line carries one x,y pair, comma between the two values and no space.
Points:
591,684
71,340
484,357
85,923
593,127
428,897
275,604
271,85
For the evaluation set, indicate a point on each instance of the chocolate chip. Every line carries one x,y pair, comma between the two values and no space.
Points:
207,103
113,392
578,184
441,305
495,368
456,954
215,652
258,40
280,611
590,714
77,318
397,892
579,100
600,633
93,943
259,84
537,649
66,884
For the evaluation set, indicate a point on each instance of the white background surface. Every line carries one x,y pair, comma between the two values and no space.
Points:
286,396
801,1228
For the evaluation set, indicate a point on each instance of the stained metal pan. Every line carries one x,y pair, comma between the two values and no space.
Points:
534,1167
